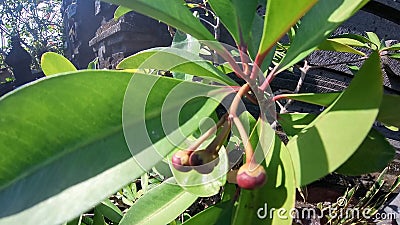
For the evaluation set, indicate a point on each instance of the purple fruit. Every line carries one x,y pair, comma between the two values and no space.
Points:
180,160
203,161
251,176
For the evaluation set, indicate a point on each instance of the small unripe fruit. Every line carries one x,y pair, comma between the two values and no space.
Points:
180,160
251,176
203,161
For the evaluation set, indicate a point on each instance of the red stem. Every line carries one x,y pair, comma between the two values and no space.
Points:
278,97
257,63
233,116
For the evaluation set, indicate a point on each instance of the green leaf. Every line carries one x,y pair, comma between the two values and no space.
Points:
98,218
66,123
349,41
392,128
352,40
315,27
374,39
110,211
323,99
254,206
120,11
237,16
177,60
280,16
74,141
394,47
333,45
160,113
337,132
53,63
187,43
76,221
93,64
160,205
389,110
218,214
373,155
172,12
255,40
293,123
395,56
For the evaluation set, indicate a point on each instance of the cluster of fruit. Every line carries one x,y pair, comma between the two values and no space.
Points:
249,176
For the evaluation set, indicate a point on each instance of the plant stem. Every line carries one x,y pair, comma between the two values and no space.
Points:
251,98
233,116
257,64
244,59
216,144
207,134
269,79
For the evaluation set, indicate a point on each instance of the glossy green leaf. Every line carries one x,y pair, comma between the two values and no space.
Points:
98,218
293,123
66,123
120,11
171,12
389,110
333,45
160,113
160,205
349,41
280,16
177,60
324,145
316,25
53,63
373,155
374,39
394,47
323,99
255,40
110,211
395,56
218,214
71,121
254,206
352,39
237,16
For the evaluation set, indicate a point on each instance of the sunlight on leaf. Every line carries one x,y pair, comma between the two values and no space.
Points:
171,12
237,16
159,206
277,24
316,25
324,145
120,11
53,63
